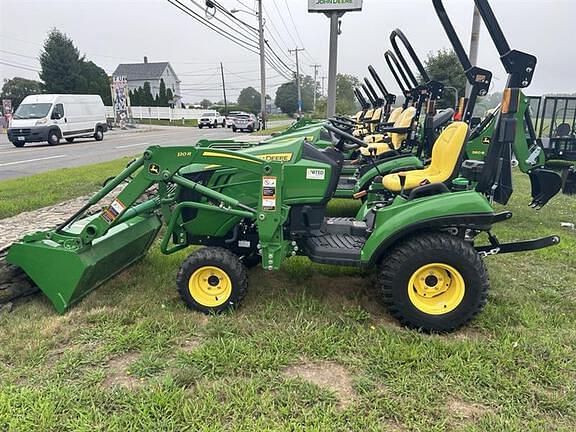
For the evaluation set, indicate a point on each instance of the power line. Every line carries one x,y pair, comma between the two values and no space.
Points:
230,14
16,66
297,32
222,32
210,26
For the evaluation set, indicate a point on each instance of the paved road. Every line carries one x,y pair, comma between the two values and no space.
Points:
40,157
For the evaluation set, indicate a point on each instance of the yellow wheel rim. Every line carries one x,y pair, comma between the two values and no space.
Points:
210,286
436,289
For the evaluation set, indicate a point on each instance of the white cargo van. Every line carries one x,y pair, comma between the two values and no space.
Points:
50,117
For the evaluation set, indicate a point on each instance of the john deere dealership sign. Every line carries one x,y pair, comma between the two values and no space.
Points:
334,5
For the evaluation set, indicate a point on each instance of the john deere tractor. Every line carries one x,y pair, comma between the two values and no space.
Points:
267,204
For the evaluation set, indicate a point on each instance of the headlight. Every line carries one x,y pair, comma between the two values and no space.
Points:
42,121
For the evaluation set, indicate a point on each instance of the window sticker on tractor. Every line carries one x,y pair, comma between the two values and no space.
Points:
315,174
269,193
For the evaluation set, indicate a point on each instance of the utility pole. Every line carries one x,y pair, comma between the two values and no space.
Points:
262,65
474,43
316,67
334,10
333,62
296,51
224,89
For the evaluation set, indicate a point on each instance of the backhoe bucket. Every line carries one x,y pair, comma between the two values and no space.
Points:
545,185
66,275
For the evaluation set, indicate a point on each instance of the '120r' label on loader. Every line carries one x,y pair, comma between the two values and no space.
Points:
269,193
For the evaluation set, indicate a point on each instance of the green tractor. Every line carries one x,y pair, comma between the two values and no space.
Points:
267,203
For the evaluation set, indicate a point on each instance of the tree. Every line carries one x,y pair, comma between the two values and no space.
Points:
287,96
145,96
18,88
169,96
205,103
162,98
345,99
65,71
249,100
95,81
61,64
445,67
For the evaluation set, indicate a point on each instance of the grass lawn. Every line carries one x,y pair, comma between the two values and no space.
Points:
271,130
29,193
310,349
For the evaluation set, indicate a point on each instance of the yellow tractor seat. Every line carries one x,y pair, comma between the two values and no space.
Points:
446,154
392,141
395,115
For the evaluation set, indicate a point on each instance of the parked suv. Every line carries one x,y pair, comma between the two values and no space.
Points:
245,122
230,118
211,119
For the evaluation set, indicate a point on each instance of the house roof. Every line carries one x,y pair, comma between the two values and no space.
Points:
142,71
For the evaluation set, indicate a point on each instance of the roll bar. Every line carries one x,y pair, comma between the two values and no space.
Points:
360,97
399,76
370,97
479,79
390,98
379,101
396,35
519,65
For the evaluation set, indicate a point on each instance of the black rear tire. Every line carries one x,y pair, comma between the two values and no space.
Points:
99,134
18,144
416,271
53,137
212,280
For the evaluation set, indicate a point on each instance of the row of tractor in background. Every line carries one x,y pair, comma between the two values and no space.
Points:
555,123
425,184
236,120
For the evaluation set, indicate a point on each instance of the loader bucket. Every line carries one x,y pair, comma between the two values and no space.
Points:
66,275
545,185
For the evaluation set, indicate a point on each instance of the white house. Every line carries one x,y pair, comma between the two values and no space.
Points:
138,73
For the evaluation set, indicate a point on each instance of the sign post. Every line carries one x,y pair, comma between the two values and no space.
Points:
333,9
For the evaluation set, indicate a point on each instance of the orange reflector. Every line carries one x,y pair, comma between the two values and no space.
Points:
506,99
360,194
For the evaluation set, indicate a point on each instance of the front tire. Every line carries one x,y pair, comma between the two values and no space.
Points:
434,282
212,280
234,129
53,137
18,144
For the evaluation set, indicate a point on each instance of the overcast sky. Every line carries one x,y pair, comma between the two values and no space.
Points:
109,32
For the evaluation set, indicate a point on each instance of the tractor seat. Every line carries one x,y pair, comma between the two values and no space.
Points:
393,141
446,154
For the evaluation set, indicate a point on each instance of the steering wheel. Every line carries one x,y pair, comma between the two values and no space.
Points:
347,141
347,120
341,124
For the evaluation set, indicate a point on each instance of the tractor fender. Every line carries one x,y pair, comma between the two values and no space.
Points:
404,218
